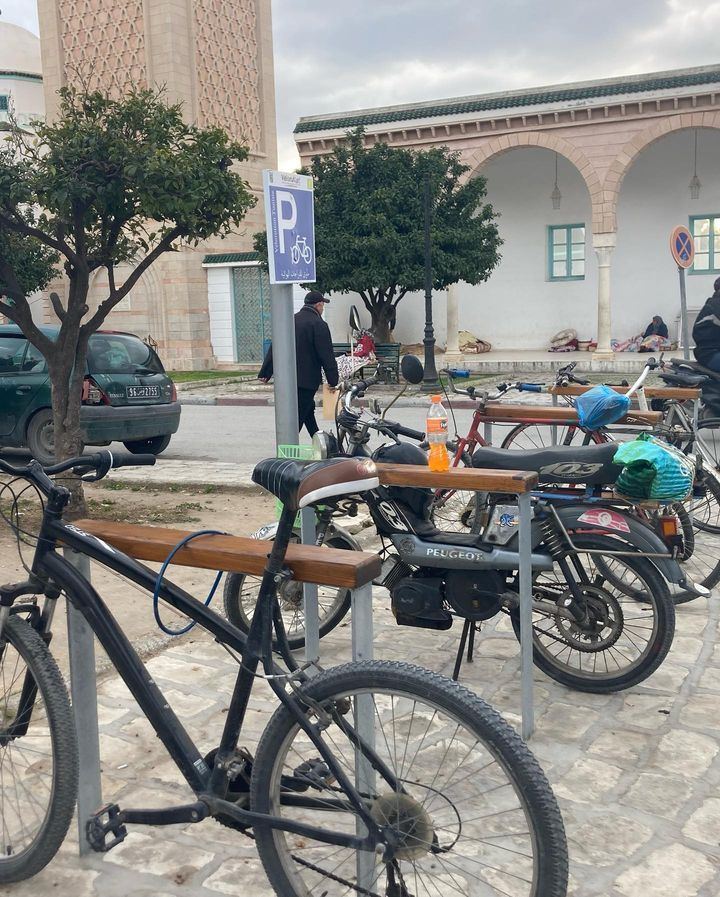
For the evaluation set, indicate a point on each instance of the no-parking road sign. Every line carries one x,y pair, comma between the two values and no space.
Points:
290,224
682,247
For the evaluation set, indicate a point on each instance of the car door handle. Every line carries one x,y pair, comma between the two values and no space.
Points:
21,389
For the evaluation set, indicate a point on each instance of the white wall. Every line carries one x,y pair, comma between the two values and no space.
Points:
220,297
654,199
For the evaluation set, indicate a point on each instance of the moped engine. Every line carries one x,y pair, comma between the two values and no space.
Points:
418,601
475,595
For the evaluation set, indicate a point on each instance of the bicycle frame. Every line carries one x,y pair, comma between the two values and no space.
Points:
51,574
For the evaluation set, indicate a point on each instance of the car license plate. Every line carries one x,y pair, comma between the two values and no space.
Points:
143,392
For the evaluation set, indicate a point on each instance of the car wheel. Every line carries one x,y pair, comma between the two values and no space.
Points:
41,437
152,446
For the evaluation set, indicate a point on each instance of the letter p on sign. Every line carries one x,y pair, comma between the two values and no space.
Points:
286,215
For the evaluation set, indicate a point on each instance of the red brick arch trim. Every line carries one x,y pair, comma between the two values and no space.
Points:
476,159
627,157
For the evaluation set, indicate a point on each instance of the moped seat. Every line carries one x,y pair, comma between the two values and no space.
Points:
589,464
681,364
301,483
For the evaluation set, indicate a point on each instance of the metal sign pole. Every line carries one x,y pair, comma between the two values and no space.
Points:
284,371
290,225
683,314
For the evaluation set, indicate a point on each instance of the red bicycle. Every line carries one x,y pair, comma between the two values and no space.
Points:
698,518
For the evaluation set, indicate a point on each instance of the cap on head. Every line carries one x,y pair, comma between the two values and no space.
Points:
315,296
716,285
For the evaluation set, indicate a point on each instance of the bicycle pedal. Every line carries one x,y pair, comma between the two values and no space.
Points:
106,821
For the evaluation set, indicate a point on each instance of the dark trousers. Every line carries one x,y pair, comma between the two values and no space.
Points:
712,362
306,411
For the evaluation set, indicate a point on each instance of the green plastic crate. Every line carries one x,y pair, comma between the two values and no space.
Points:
297,453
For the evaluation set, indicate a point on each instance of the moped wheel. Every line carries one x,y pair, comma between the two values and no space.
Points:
460,797
241,592
630,626
38,754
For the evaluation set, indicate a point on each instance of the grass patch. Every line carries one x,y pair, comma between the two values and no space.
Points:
190,376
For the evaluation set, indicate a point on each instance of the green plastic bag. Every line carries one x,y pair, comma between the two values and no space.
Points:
653,470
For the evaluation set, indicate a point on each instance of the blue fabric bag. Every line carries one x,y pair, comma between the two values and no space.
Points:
600,406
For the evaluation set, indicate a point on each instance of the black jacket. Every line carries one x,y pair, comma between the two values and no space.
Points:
706,332
313,352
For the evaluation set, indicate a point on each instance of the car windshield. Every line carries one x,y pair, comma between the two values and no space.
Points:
121,353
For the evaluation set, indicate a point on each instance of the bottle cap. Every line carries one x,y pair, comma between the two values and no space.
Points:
435,398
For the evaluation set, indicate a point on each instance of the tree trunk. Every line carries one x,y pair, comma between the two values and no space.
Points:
383,315
67,380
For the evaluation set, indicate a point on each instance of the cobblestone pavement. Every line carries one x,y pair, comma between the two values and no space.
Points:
636,773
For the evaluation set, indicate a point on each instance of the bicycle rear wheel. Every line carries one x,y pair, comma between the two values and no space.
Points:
38,754
471,812
241,591
539,436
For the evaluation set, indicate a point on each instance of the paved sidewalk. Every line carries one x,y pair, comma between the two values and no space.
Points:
636,773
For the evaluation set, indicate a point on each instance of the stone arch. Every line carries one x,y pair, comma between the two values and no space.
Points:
627,156
545,139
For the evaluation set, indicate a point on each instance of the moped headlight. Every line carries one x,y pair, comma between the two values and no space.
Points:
320,446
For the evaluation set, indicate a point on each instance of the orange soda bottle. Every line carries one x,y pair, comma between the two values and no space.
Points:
436,427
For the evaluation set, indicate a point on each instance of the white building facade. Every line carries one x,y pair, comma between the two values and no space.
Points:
21,84
596,259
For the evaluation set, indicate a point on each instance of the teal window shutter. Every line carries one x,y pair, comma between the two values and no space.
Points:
566,252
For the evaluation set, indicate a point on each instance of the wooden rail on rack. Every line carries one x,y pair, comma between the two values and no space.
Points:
237,554
468,479
501,412
652,392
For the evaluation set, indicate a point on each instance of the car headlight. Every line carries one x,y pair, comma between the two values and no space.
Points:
320,446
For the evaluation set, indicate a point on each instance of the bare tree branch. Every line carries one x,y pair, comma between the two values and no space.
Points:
107,305
57,306
18,226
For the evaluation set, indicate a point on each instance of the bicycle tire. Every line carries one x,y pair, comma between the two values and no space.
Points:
456,510
511,768
539,436
336,608
648,589
59,733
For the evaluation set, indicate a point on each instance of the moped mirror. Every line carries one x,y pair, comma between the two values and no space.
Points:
411,369
354,319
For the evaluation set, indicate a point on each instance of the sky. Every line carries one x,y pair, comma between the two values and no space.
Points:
338,55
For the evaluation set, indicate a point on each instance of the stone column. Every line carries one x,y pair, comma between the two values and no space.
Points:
452,350
603,244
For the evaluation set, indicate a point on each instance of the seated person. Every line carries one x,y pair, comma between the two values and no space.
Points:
656,327
706,332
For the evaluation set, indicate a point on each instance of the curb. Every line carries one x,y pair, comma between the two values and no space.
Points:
409,402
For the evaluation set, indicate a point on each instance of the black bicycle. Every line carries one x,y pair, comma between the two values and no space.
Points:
375,778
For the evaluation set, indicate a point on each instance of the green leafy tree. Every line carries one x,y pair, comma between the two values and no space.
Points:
369,224
109,182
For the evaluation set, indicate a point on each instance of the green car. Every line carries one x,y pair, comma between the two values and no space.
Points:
127,396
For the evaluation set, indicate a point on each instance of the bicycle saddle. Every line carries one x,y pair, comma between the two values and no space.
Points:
684,378
300,483
590,464
687,366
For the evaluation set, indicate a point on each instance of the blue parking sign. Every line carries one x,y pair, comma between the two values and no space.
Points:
290,225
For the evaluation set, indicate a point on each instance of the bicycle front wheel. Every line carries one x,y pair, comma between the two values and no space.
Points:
459,794
38,754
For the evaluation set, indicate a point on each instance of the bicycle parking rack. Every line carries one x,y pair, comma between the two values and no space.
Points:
308,563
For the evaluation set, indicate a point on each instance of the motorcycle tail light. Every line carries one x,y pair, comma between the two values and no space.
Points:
669,526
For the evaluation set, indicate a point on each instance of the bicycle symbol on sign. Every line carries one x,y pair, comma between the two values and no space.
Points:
300,249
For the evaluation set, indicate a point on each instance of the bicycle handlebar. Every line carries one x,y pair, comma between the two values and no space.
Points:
100,462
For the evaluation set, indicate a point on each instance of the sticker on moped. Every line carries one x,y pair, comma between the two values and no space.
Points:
605,519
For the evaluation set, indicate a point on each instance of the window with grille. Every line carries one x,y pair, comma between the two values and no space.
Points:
706,235
3,102
566,252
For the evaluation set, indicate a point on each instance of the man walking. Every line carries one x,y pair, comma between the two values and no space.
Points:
313,354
